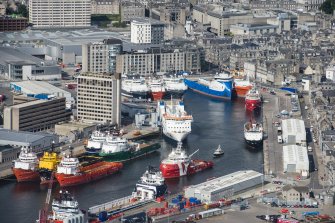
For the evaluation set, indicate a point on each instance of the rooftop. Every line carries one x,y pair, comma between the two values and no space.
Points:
227,180
14,56
294,154
20,136
147,20
36,87
5,148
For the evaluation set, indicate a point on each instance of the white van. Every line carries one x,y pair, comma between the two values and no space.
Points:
280,139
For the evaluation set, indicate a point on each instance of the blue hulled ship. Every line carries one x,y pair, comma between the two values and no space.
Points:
221,86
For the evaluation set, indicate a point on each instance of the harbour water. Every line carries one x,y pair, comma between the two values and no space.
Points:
215,122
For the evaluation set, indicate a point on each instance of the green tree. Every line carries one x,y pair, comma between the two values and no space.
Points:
22,10
328,6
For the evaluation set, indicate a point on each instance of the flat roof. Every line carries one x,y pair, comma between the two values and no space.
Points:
5,148
294,154
37,87
76,124
14,56
8,136
293,126
147,20
227,180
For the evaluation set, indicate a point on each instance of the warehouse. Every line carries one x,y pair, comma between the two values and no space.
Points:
294,131
295,160
225,186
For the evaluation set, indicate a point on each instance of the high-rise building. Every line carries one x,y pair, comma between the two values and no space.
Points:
99,98
146,30
100,57
60,13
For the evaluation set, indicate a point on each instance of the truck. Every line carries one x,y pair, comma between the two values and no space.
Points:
280,139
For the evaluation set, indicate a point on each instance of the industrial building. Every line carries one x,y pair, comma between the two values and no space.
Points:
40,90
36,115
294,131
7,155
99,98
38,142
225,186
295,160
18,65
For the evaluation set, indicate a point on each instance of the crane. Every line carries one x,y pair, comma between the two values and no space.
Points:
44,211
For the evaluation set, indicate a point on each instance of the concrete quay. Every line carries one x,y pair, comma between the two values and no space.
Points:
134,133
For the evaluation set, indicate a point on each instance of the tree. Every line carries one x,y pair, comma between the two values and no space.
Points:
328,6
22,10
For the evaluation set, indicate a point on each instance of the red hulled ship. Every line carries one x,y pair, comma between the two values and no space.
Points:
180,164
69,172
25,167
253,100
157,89
242,87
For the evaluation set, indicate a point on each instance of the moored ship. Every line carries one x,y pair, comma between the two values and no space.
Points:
47,164
120,149
242,87
179,164
70,173
253,100
174,86
253,133
65,209
26,166
157,89
134,87
175,121
94,143
220,87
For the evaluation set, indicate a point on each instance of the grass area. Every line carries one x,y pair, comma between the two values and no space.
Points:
104,20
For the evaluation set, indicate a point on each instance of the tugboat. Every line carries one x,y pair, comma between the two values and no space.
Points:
253,100
253,133
118,149
25,167
69,172
151,185
94,144
65,209
218,152
179,164
48,163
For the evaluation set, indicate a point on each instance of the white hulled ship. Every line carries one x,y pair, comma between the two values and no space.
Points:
94,144
175,121
134,87
253,133
174,86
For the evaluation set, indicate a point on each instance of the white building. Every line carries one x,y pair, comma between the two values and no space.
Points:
294,131
144,30
99,98
225,186
330,73
253,29
295,160
60,13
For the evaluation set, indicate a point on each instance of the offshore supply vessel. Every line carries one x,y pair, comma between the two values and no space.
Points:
253,100
26,166
94,143
220,87
253,133
242,87
174,86
120,149
70,173
47,164
180,164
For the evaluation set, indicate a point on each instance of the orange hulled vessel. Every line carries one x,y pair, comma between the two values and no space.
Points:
157,89
25,167
242,87
70,173
179,164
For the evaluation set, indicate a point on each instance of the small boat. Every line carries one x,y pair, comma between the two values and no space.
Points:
218,152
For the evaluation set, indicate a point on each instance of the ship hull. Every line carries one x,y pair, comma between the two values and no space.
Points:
129,155
135,94
242,91
251,105
26,175
205,90
92,151
45,176
89,173
157,95
177,94
254,143
176,135
175,170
